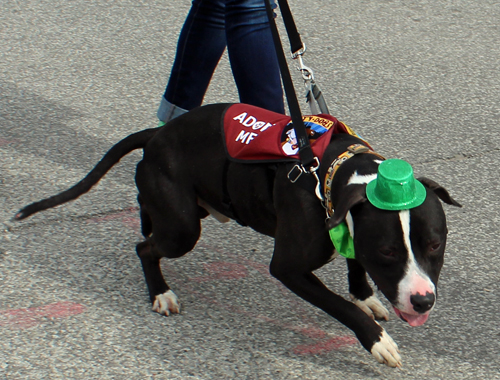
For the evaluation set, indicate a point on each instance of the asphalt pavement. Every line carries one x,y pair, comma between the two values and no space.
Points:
418,79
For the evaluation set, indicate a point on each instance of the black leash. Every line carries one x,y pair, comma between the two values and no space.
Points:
309,164
296,45
307,159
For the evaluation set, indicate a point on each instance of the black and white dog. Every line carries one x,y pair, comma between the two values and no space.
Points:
185,175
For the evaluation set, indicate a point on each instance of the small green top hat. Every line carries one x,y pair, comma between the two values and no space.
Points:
395,187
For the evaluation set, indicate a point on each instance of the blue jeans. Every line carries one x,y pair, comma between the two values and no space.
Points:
210,26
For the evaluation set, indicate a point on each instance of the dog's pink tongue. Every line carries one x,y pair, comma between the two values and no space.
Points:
413,320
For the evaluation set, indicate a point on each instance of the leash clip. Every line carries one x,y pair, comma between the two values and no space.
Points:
313,170
307,73
298,169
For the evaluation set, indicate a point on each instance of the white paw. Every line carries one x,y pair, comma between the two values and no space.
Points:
167,303
386,351
372,306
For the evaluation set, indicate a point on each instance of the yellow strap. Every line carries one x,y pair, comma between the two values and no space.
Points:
351,151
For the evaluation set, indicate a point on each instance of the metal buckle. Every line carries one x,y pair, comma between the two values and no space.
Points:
297,170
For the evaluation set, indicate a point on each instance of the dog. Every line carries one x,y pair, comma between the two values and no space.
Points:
185,175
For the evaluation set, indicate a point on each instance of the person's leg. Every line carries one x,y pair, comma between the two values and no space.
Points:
201,43
252,54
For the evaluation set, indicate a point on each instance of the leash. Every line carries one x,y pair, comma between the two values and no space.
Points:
305,152
309,164
314,96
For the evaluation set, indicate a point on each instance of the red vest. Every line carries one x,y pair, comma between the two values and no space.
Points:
254,134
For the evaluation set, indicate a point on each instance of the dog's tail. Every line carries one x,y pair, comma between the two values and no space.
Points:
128,144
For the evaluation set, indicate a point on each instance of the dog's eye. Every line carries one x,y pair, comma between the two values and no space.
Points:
433,247
387,252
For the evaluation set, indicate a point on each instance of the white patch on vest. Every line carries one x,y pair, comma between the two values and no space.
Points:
414,280
357,179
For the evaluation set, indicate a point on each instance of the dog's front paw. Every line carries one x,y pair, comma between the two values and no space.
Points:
386,351
372,306
167,303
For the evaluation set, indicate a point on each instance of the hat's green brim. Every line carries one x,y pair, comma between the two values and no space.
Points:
420,194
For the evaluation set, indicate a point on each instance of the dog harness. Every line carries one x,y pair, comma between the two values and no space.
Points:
253,134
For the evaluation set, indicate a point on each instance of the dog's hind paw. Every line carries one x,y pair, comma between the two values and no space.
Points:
386,351
372,306
167,303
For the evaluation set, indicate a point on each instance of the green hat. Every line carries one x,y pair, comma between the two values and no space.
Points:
395,187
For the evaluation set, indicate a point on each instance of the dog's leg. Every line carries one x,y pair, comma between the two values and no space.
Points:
362,294
162,297
302,245
370,334
293,268
170,219
146,224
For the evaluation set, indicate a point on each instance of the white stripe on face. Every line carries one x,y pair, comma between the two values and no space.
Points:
415,281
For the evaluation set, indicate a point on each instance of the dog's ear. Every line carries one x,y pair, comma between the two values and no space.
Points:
439,190
348,200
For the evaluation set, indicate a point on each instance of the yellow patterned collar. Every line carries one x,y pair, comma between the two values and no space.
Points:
351,151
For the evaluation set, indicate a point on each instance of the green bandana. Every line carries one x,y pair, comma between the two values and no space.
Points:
342,240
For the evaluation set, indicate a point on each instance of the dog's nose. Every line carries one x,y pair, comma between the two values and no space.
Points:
421,303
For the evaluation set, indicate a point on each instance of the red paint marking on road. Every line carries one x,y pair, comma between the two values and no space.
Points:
131,221
322,341
34,316
222,271
333,344
263,269
320,346
6,142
